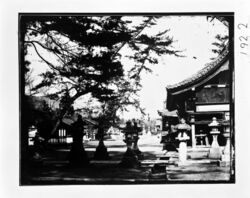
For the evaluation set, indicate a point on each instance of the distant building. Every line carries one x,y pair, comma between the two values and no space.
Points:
64,133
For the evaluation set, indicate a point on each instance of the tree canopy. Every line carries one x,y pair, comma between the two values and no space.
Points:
82,54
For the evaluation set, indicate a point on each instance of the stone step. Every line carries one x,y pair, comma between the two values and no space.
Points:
168,156
189,163
164,158
158,176
105,161
81,180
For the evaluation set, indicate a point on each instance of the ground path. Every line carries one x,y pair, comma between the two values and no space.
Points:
56,170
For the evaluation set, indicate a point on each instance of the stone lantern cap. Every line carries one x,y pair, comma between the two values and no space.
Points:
182,137
183,126
214,123
192,120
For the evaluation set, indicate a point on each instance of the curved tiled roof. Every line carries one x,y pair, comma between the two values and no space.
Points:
168,113
209,67
71,120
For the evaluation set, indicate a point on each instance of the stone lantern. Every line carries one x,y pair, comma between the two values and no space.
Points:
130,158
214,151
182,128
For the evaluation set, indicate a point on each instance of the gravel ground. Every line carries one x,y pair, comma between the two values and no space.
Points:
55,169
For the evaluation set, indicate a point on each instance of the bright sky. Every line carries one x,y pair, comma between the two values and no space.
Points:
194,35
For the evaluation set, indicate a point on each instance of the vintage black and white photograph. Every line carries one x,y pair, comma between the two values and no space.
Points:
126,98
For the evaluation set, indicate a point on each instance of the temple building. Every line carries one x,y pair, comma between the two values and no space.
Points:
201,97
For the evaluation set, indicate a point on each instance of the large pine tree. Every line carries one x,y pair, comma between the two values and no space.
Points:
82,55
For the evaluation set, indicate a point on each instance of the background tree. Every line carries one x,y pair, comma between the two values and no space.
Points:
220,43
220,40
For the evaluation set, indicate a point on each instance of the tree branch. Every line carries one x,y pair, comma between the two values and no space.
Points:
50,64
53,40
136,34
47,48
64,50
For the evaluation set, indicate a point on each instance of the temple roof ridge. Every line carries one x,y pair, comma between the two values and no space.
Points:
204,71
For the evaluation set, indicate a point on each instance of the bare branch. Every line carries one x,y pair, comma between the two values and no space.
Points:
50,64
47,48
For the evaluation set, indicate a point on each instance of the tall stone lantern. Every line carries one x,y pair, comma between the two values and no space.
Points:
182,128
130,159
214,151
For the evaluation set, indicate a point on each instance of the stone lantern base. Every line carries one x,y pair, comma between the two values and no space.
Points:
101,152
223,163
214,153
78,157
130,160
215,150
138,153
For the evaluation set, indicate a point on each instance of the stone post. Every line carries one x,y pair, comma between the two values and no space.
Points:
226,150
214,151
192,121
